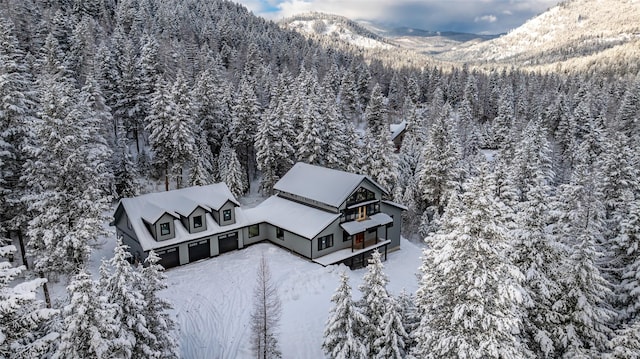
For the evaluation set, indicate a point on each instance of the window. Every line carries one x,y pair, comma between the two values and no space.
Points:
279,233
197,222
361,195
325,242
165,229
254,230
226,215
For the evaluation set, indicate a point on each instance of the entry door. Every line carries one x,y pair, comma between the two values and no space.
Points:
360,238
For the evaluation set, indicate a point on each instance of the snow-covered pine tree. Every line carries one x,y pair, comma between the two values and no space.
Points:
16,111
626,343
439,174
89,328
125,171
120,283
24,321
67,215
586,314
342,337
202,168
535,252
274,153
265,317
128,106
160,324
376,116
230,170
470,295
410,319
629,238
245,115
310,142
159,123
182,129
376,302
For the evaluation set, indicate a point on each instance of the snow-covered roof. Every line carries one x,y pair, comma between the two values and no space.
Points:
375,220
397,128
150,207
325,185
292,216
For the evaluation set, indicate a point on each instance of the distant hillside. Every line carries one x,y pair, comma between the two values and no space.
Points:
335,26
573,34
426,41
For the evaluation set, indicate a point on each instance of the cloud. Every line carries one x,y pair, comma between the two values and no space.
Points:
451,15
485,18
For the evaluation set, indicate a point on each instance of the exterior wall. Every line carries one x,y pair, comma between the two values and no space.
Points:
338,244
213,246
260,237
291,241
198,212
184,252
394,231
229,205
172,229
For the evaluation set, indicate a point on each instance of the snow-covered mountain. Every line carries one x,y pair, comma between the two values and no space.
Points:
335,26
573,33
371,35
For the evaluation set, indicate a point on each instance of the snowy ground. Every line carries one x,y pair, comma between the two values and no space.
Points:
212,298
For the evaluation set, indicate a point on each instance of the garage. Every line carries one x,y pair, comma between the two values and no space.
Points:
228,242
169,257
199,250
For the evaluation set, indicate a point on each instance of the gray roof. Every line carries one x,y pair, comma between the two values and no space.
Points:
292,216
325,185
152,206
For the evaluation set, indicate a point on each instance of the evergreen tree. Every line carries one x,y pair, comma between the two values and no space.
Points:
392,343
376,114
245,117
23,320
629,239
342,330
182,129
470,292
375,303
125,172
89,327
67,215
160,324
160,120
586,313
202,170
626,343
274,152
16,113
230,170
439,173
119,282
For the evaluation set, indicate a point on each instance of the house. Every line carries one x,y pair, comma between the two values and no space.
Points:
397,133
326,215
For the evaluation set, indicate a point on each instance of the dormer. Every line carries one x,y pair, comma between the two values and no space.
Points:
226,214
159,222
194,221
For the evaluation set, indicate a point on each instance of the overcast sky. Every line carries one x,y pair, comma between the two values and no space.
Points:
477,16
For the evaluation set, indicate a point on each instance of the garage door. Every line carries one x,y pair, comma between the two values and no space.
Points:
228,242
199,250
169,257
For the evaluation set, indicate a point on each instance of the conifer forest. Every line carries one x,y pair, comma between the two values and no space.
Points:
522,186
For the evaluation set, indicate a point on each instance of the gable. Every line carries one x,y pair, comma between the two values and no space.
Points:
324,185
